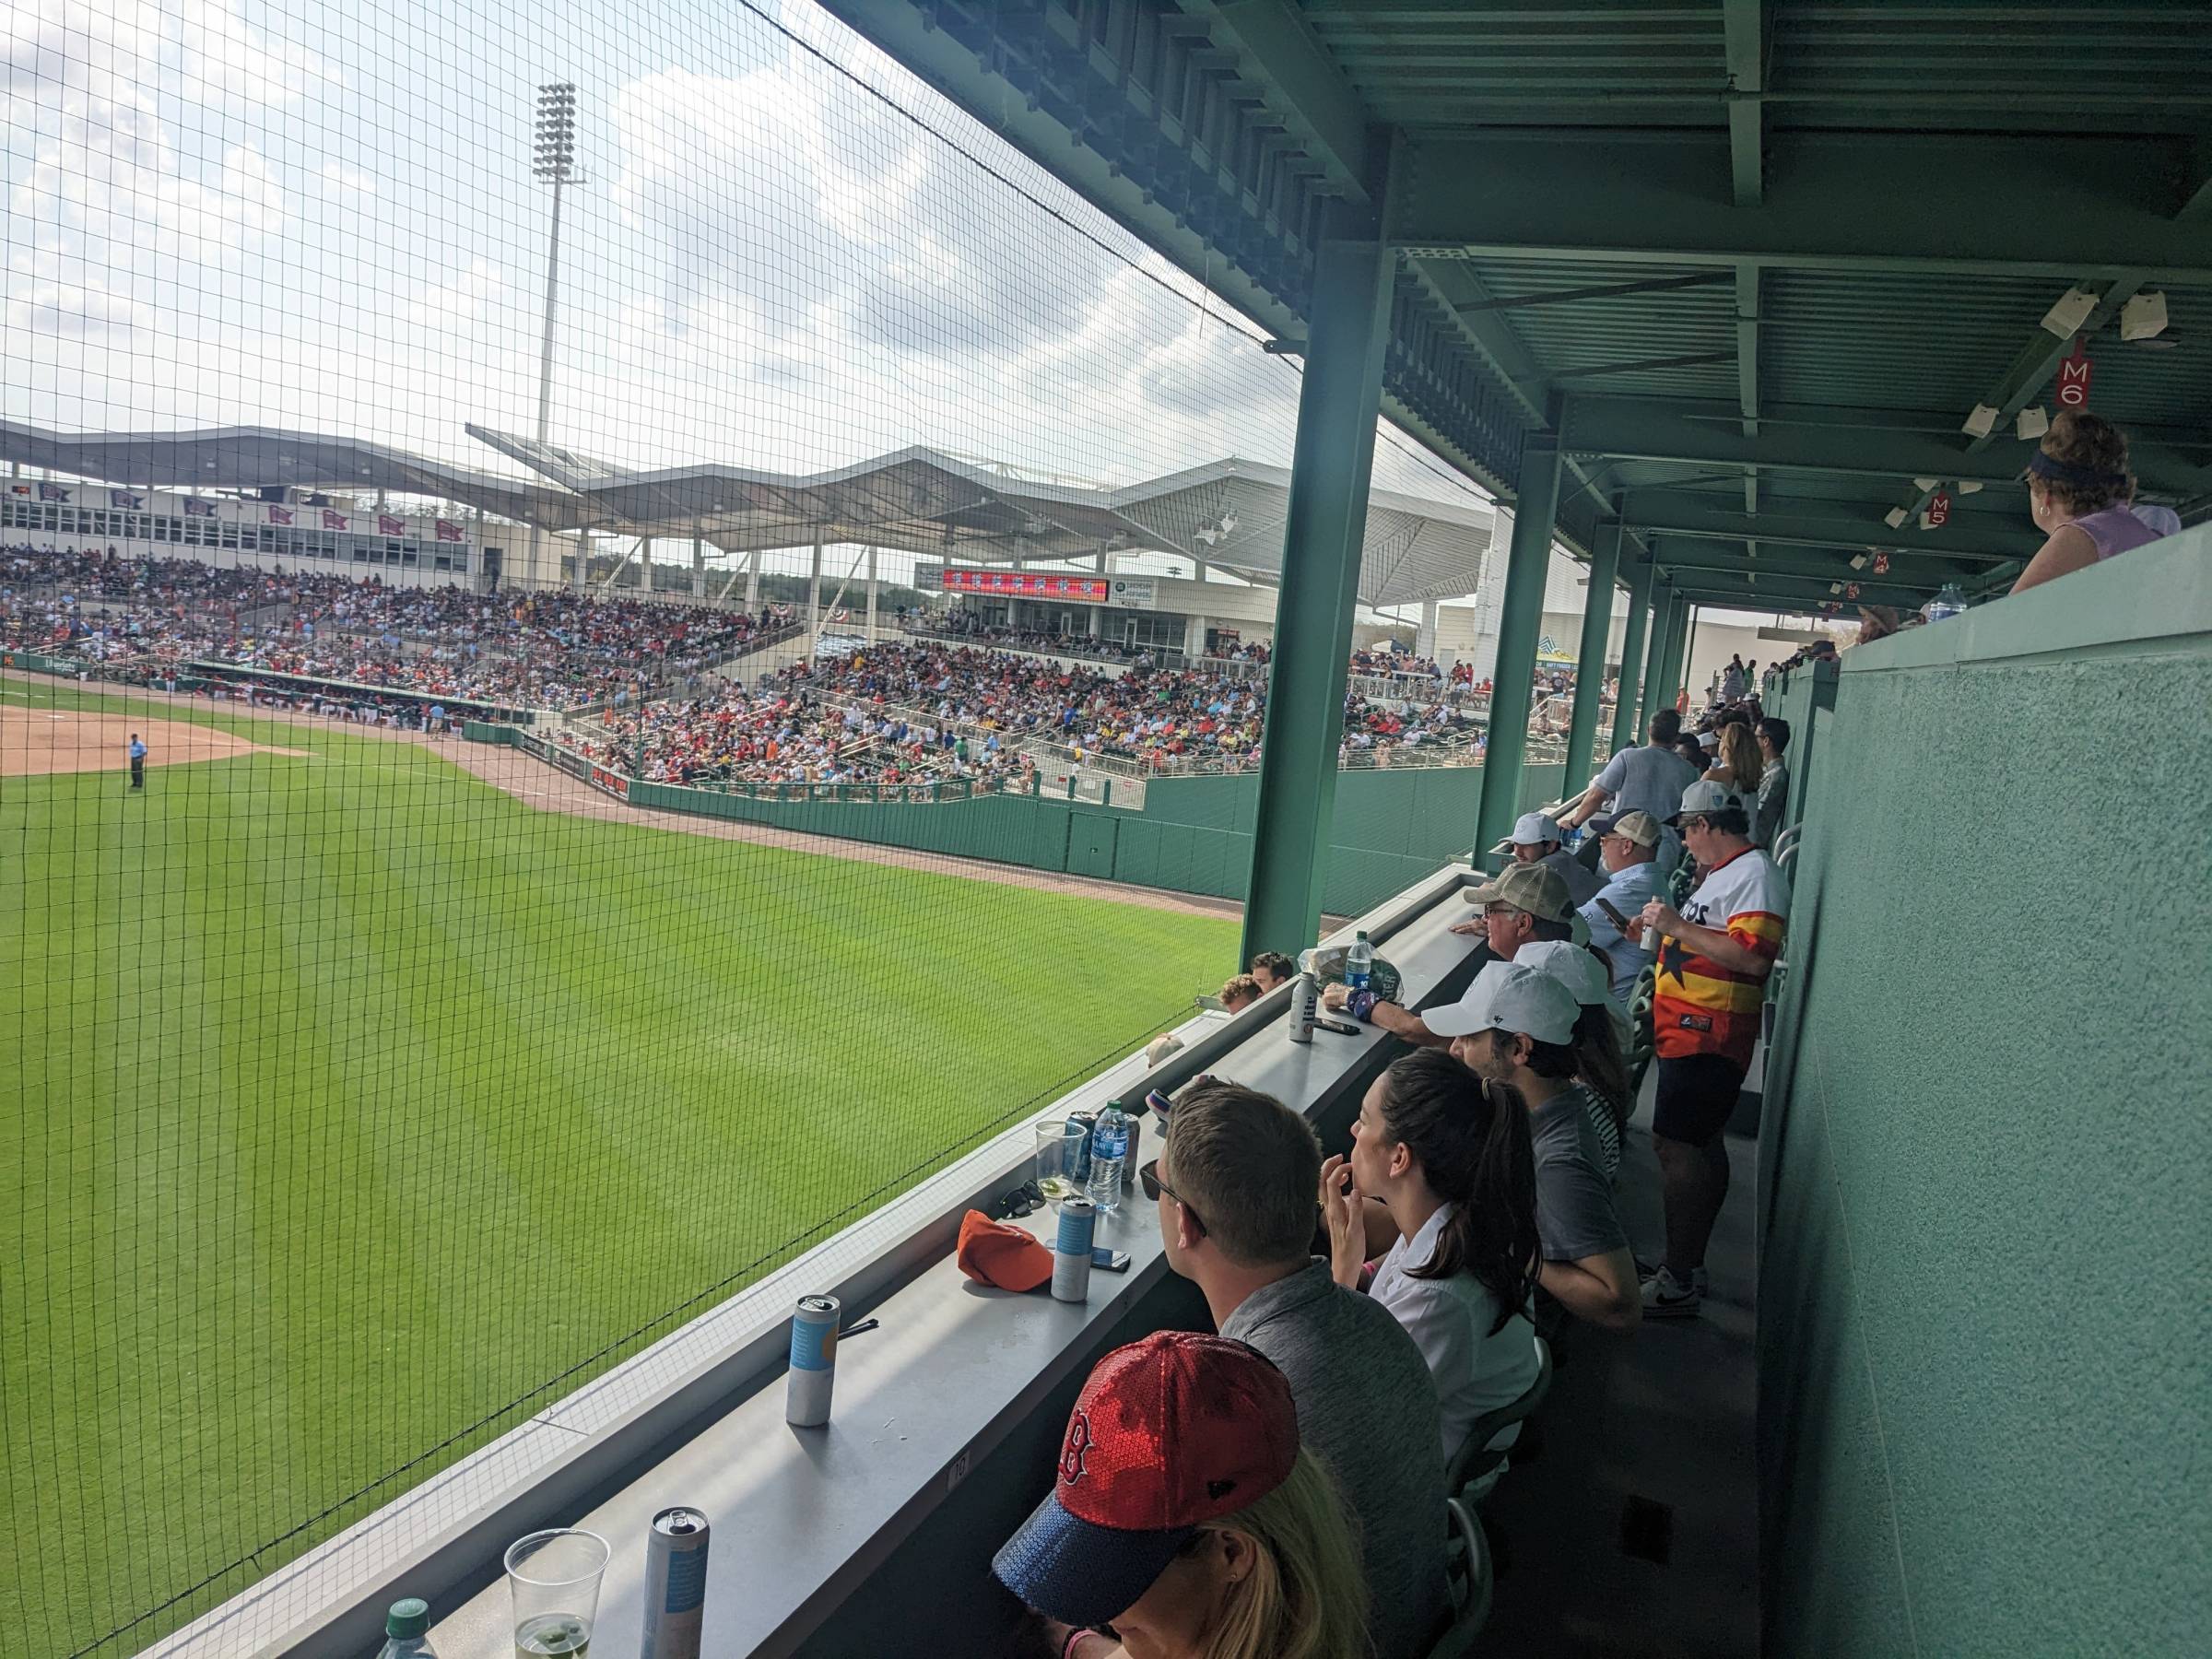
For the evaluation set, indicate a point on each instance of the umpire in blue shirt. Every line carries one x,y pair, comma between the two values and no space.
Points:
137,754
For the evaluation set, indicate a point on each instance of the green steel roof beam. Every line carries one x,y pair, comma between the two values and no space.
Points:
1745,21
1299,84
1781,593
1719,563
1911,202
1684,431
1786,524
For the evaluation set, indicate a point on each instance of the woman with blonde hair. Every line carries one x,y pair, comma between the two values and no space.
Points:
2079,492
1187,1517
1738,765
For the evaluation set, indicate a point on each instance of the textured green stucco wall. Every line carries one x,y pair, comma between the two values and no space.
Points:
1986,1164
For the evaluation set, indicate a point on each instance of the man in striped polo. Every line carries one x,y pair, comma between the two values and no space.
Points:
1714,955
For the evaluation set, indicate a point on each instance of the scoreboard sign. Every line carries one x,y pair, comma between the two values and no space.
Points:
1026,584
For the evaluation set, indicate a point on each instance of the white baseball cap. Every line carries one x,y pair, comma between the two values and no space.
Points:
1706,795
1509,996
1533,827
1571,965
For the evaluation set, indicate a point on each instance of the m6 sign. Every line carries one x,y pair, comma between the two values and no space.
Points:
2073,380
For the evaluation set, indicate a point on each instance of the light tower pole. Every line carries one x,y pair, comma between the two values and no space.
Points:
554,163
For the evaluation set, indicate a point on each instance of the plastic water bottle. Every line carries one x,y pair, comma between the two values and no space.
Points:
1109,1152
407,1629
1948,601
1358,964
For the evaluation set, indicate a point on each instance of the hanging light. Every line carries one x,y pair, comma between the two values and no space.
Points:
2031,423
2143,318
2069,313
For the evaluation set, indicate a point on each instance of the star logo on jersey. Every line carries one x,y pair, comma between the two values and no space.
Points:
1673,956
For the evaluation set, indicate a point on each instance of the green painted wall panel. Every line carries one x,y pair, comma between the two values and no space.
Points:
1985,1394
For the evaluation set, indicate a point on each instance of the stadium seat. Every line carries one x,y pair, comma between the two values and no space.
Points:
1475,1457
1640,1039
1471,1579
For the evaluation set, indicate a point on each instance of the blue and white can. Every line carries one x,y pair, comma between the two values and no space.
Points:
1071,1250
813,1361
675,1585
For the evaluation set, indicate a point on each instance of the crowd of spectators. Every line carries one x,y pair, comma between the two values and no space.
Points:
554,650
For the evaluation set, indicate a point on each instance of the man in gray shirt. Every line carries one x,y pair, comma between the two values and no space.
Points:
1236,1189
1650,779
1773,782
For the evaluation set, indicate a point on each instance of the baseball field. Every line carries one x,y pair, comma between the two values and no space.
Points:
356,1109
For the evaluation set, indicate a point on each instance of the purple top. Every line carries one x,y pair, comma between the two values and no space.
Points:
2115,530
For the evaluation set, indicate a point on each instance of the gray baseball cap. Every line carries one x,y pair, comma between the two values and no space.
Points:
1705,796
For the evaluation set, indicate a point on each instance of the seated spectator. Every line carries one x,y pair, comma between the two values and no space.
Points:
1185,1514
1234,1185
1240,992
1737,766
1524,903
1537,839
1629,851
1448,1156
1714,956
1517,1027
2078,488
1693,753
1600,1064
1773,782
1272,968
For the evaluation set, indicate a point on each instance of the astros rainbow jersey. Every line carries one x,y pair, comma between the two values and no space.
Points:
1699,1007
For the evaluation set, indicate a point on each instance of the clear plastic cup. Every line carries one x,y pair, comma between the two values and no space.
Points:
554,1580
1054,1176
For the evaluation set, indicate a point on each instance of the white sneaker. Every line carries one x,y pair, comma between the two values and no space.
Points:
1664,1297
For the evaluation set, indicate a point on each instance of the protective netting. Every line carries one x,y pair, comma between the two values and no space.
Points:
389,1058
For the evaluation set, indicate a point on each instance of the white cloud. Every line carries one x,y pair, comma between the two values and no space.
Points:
346,181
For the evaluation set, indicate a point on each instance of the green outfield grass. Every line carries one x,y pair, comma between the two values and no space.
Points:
353,1104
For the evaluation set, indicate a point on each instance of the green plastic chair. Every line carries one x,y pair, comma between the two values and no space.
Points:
1471,1579
1477,1457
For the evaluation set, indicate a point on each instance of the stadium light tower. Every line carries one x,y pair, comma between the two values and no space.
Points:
554,162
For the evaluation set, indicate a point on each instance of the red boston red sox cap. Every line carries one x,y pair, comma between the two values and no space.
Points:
1169,1433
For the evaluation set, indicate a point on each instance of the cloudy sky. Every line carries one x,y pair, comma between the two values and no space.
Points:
322,216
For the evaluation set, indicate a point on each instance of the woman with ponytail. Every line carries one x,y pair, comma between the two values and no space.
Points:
1448,1158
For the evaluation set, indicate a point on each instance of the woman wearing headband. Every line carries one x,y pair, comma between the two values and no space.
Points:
2078,491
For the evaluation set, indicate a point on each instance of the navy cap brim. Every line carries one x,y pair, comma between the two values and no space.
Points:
1079,1572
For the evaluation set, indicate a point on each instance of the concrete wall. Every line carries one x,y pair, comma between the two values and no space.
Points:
1985,1404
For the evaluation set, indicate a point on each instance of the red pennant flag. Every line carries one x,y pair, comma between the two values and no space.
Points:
388,525
280,515
448,530
332,520
2074,379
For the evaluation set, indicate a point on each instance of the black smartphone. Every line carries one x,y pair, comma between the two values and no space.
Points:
1613,915
1338,1026
1109,1261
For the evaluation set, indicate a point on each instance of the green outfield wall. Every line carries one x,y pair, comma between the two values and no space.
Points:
1986,1397
1192,836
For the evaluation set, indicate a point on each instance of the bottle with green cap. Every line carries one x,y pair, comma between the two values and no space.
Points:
406,1630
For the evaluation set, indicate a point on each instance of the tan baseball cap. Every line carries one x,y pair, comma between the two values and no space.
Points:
1640,827
1535,887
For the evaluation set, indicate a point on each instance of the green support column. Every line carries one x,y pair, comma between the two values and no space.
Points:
1324,531
1654,656
1590,661
1537,498
1677,637
1627,729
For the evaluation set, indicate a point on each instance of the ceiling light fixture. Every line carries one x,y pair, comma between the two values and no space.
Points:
2071,311
2031,423
1969,486
2143,318
1858,561
1924,484
1982,422
1894,517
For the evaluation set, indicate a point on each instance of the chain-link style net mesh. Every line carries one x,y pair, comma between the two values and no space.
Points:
452,931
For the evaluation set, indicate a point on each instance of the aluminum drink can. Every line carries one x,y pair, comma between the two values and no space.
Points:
1085,1123
1071,1250
1129,1152
1305,1008
813,1361
675,1585
1160,1105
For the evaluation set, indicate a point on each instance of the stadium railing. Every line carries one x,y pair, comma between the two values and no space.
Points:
834,1536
